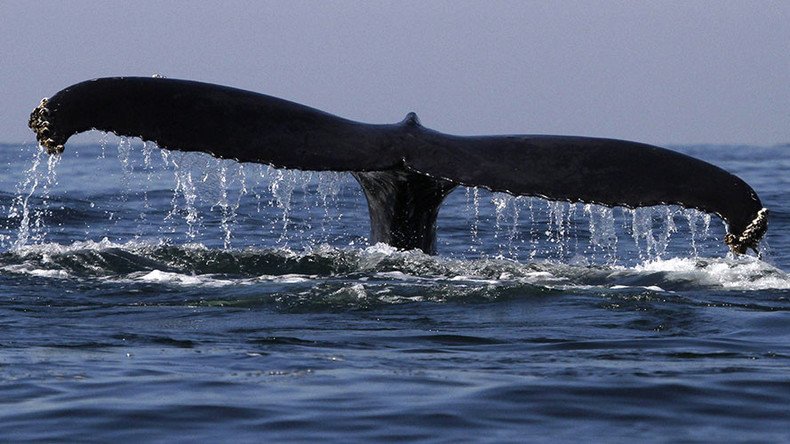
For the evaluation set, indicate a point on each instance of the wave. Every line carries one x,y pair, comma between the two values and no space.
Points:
374,270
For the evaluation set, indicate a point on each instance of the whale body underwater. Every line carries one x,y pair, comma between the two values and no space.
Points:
405,169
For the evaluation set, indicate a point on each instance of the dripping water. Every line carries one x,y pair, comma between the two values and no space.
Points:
185,190
209,196
32,227
328,188
603,235
501,202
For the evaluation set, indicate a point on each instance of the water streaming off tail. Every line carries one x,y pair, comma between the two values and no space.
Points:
35,187
528,228
195,198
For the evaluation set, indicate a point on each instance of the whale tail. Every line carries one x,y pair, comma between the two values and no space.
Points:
405,169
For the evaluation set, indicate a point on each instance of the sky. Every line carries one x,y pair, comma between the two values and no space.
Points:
660,72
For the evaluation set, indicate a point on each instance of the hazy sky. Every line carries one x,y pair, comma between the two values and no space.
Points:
662,72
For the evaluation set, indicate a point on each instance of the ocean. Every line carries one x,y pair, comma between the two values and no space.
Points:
158,296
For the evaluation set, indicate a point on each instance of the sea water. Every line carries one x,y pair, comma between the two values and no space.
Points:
166,296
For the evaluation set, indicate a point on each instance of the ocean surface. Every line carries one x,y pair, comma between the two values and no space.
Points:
148,295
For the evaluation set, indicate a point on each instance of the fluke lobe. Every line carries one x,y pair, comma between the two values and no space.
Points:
405,169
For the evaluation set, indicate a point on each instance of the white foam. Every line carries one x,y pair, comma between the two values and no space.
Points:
474,279
286,278
381,248
397,275
167,277
649,287
31,270
745,272
49,249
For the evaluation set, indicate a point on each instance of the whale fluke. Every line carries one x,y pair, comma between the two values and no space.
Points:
405,169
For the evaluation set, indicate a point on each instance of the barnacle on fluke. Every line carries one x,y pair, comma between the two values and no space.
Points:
405,169
39,123
751,235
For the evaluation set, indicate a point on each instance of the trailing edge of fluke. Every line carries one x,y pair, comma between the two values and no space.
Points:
405,169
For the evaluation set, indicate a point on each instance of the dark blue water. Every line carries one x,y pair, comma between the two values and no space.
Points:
175,297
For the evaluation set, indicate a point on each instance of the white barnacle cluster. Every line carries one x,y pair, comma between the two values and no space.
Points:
39,123
751,234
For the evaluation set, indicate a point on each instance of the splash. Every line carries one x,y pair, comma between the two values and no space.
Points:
741,273
378,266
